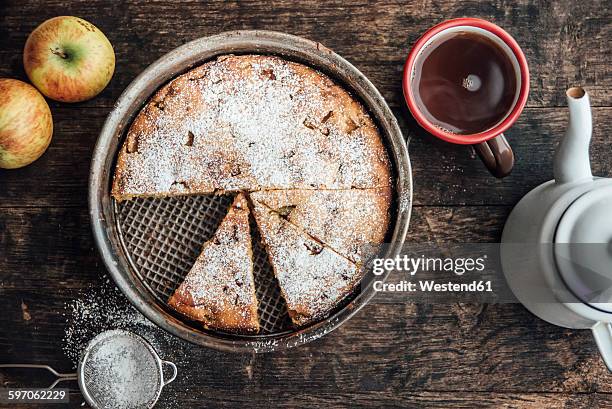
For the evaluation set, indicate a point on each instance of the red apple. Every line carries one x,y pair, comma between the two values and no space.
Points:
68,59
26,125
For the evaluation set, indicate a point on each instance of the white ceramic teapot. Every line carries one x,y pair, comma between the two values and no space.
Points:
556,248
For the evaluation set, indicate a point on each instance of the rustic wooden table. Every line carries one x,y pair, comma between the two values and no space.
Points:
458,355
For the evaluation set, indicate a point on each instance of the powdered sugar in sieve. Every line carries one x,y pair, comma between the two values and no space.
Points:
120,370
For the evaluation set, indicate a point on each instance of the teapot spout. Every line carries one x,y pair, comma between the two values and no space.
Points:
572,162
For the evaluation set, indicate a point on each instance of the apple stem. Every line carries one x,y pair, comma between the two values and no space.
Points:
59,53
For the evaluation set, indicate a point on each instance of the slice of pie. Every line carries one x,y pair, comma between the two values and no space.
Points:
313,278
346,220
219,291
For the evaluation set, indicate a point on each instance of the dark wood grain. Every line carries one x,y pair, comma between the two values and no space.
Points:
407,399
441,356
566,42
377,399
420,347
442,348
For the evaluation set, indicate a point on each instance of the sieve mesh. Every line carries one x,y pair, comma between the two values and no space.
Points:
120,371
163,237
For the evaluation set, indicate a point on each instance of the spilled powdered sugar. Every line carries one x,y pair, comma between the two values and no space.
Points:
102,308
96,310
405,201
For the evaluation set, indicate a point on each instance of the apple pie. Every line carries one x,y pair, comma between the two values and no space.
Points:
298,148
219,291
246,123
313,278
345,220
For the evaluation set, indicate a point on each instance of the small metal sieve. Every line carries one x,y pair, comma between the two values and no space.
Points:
121,370
117,370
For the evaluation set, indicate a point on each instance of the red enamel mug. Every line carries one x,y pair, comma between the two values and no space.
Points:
490,144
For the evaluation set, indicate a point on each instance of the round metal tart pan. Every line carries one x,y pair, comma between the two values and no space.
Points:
102,207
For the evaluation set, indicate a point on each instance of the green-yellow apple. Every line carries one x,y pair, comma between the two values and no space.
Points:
26,125
68,59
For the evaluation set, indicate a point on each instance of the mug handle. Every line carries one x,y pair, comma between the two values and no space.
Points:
602,332
496,155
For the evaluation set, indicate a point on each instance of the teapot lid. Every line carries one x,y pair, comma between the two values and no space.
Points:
583,248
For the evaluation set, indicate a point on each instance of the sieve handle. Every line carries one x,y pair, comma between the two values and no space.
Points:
61,377
174,372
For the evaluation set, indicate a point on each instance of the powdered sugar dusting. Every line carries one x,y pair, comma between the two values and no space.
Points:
250,123
405,201
220,290
95,311
312,277
345,220
103,307
120,372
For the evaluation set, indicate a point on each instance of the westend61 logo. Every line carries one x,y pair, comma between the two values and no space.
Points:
412,265
439,273
434,275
